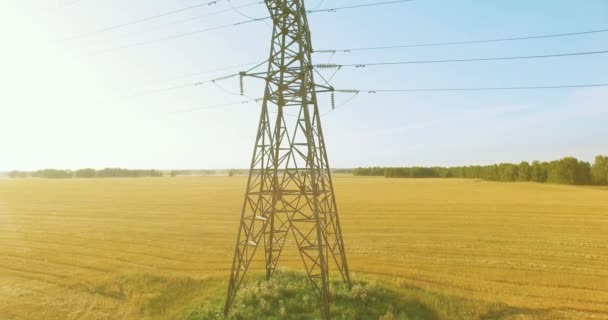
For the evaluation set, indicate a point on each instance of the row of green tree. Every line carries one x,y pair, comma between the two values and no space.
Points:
202,172
86,173
568,170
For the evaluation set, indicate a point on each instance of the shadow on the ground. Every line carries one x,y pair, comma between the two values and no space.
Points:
289,296
510,313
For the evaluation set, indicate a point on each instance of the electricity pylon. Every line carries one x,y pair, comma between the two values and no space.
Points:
290,189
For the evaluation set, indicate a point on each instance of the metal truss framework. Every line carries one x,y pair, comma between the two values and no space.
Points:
290,189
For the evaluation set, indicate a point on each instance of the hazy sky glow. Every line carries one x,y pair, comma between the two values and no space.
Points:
74,103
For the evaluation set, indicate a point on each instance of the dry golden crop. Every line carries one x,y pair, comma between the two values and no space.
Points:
155,248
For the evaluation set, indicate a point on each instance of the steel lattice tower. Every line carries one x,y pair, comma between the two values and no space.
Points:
290,189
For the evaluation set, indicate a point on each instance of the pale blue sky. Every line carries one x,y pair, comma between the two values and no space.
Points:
67,105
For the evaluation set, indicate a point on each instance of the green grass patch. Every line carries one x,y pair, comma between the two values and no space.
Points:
289,296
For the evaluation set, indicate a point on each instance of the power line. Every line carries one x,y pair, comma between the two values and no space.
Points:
215,106
319,4
145,92
215,82
372,91
371,64
354,95
182,35
356,92
256,63
346,50
236,9
177,87
249,4
137,21
358,6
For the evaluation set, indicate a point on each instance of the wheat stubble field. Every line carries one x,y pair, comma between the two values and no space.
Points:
155,248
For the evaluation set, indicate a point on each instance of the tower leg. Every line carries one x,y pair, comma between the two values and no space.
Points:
256,209
333,230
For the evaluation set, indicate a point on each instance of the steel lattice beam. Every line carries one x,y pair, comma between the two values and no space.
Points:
290,189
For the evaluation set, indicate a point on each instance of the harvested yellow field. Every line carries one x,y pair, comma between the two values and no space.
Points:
137,248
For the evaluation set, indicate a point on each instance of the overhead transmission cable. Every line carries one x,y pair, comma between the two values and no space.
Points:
319,4
354,95
256,63
177,36
247,100
372,64
356,92
357,6
249,4
203,82
555,35
235,9
137,21
220,105
372,91
180,86
225,26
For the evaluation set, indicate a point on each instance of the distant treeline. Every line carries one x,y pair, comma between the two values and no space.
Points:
86,173
568,170
342,171
202,172
126,173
